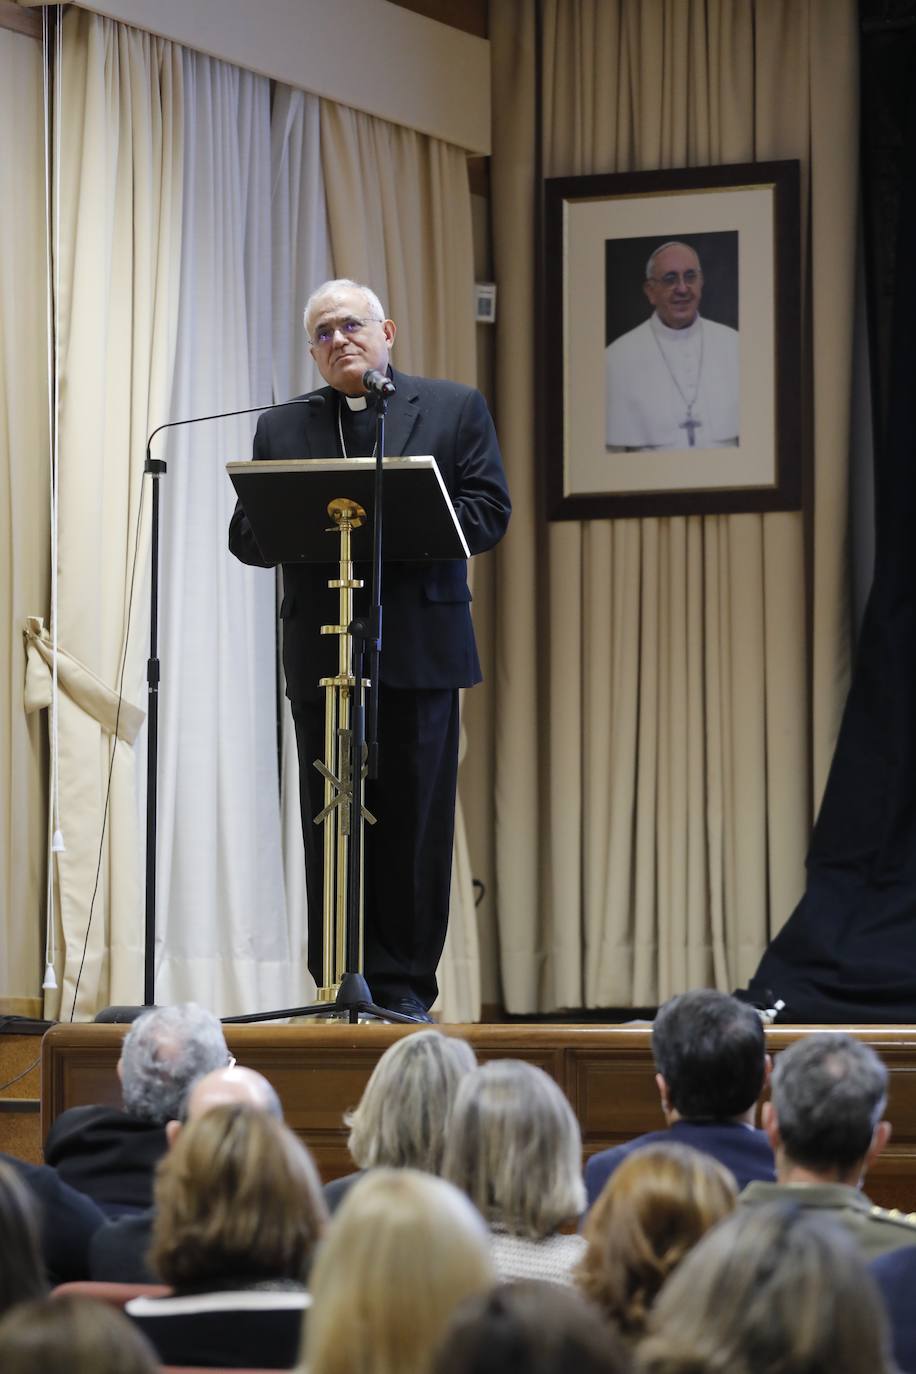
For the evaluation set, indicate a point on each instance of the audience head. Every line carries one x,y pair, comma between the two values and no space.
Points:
515,1149
710,1054
164,1052
401,1119
828,1095
530,1328
232,1085
653,1209
76,1334
237,1195
404,1249
772,1290
22,1273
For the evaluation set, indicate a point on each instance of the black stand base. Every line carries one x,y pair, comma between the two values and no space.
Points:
353,1000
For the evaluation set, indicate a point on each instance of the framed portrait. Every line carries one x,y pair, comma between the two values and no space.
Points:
672,316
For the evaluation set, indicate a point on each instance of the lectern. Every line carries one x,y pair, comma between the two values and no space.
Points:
294,507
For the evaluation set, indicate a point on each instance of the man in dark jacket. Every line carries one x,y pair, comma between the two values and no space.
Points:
111,1154
428,646
711,1062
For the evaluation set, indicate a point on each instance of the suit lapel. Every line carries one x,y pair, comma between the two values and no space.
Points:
321,432
402,415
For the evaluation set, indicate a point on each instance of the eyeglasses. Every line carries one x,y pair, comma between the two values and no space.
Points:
672,279
324,334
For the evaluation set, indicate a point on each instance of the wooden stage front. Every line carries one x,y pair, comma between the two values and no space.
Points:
319,1070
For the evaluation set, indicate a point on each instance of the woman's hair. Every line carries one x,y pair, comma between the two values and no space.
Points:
530,1328
654,1207
772,1290
401,1119
22,1273
515,1149
403,1250
76,1334
236,1197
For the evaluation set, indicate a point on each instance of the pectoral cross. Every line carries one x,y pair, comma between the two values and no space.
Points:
691,425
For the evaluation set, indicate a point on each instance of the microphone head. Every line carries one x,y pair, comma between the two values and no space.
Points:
377,383
317,401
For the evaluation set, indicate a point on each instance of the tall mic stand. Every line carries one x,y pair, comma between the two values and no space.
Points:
155,468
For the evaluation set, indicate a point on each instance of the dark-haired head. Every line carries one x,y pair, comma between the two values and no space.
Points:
709,1048
530,1328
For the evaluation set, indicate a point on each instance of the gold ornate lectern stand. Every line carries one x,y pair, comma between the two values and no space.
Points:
342,827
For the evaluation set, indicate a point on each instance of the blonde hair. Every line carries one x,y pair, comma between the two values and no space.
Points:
515,1148
773,1288
653,1209
402,1116
404,1249
237,1195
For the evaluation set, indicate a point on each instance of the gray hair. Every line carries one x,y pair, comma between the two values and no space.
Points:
403,1113
164,1052
829,1092
515,1148
340,284
671,243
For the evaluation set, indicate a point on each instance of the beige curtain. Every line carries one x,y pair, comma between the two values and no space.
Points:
668,701
399,218
121,119
24,498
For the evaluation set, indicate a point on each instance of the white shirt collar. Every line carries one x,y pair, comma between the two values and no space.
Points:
674,336
357,402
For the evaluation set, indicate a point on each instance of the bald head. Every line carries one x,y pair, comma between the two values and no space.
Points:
231,1086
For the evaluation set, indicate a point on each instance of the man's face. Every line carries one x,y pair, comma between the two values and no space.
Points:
352,347
676,286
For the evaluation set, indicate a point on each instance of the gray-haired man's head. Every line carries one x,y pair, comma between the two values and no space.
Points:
165,1051
829,1092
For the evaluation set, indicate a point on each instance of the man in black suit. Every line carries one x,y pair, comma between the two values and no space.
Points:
428,646
711,1062
69,1220
111,1153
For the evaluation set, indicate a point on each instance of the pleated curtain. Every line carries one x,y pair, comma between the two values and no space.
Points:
399,217
668,690
24,518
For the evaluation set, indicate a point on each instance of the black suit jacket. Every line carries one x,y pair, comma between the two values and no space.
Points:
108,1155
69,1220
427,635
745,1152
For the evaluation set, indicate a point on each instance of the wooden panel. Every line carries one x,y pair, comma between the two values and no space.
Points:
319,1070
20,20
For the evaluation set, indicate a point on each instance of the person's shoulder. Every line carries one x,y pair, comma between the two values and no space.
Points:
633,340
441,387
606,1161
720,331
77,1119
892,1217
292,411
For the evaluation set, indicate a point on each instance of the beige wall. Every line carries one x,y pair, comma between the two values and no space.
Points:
374,56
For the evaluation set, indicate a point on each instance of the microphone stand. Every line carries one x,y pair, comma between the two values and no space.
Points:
155,468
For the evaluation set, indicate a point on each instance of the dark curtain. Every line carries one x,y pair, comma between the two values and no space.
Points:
849,949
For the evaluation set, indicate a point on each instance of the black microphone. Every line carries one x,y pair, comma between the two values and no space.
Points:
378,383
227,415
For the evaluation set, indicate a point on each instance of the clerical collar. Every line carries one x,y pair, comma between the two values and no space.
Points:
668,335
356,402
